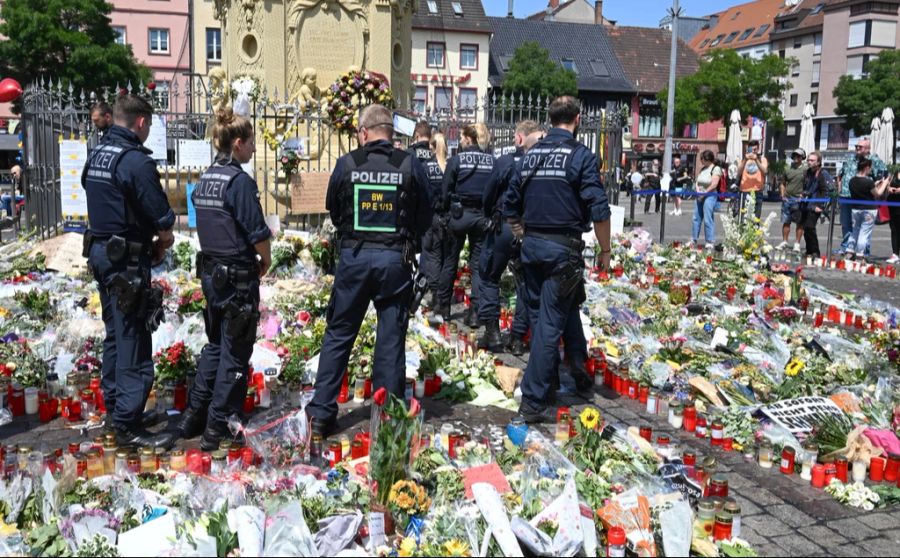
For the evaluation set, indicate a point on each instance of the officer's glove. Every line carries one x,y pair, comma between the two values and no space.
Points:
517,229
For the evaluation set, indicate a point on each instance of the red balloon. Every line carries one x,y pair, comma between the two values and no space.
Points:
10,90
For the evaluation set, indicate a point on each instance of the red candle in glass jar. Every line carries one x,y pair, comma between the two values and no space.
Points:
700,431
234,455
632,389
842,466
787,461
818,475
689,459
690,418
819,319
834,315
75,410
876,469
249,404
589,366
180,397
247,457
728,443
646,433
830,473
848,318
608,377
892,468
195,461
643,394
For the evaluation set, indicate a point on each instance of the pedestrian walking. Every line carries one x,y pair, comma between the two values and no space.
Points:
864,189
819,185
751,173
847,172
792,188
707,201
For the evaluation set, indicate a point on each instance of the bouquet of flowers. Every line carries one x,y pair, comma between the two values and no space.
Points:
394,428
191,301
173,363
290,162
748,241
408,500
89,359
465,374
351,91
856,495
184,255
36,303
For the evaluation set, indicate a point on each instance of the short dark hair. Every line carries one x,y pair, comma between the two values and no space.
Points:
129,107
564,110
708,156
863,164
102,107
753,143
423,130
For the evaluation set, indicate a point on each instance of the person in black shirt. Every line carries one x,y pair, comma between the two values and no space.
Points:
864,189
894,197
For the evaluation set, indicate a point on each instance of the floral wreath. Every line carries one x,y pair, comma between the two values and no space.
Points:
245,84
364,88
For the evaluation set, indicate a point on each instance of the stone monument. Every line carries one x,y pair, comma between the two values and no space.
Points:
301,46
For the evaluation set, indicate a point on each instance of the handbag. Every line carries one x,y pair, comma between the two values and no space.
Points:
884,215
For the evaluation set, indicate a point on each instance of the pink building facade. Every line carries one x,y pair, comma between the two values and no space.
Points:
159,34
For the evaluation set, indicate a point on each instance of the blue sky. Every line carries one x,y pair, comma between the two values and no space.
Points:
643,13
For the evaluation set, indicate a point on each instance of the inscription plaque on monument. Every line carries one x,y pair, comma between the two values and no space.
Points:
329,41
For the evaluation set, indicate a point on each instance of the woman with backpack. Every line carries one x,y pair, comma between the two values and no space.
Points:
707,201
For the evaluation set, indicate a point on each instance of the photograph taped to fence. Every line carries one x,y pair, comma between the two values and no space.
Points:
375,208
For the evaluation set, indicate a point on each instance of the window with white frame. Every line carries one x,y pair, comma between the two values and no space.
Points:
120,35
856,65
816,72
162,94
443,99
857,34
435,55
468,101
883,34
791,130
817,43
159,41
420,100
213,44
468,57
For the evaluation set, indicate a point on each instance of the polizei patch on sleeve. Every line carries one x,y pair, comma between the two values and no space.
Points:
375,207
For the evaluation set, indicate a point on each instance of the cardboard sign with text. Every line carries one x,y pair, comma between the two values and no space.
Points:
801,414
490,474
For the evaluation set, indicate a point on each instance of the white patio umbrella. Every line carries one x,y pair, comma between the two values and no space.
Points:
886,136
875,135
807,130
734,146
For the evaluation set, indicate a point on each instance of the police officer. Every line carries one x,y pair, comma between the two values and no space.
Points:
101,117
127,208
379,203
232,232
500,247
551,200
434,242
465,180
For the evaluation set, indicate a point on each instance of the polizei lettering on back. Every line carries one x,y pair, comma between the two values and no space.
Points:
376,177
469,159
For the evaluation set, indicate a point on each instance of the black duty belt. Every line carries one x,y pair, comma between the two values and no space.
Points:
208,265
351,244
472,203
570,239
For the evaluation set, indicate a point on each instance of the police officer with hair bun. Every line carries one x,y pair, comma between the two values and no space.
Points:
435,239
235,253
465,180
553,198
379,203
130,230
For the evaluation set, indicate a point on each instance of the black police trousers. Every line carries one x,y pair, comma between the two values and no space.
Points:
127,368
364,275
436,245
472,224
220,386
498,250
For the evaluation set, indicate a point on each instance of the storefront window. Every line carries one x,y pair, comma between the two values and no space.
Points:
650,121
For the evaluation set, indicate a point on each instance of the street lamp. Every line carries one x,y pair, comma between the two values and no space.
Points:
675,12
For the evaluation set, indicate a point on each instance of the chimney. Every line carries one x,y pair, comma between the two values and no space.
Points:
509,12
598,12
553,4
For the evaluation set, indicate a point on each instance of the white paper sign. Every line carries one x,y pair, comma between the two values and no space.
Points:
376,530
156,142
194,153
720,338
72,158
153,538
801,414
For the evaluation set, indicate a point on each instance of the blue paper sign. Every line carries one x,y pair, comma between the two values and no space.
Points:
192,213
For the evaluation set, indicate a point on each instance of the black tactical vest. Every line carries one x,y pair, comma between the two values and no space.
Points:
220,236
429,161
377,197
109,209
475,168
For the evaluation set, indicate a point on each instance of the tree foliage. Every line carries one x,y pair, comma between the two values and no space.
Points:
726,81
861,100
532,72
68,40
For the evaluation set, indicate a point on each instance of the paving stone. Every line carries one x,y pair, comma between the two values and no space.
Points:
823,536
850,550
880,546
748,508
853,529
826,509
797,545
770,549
753,533
790,515
768,526
880,521
763,497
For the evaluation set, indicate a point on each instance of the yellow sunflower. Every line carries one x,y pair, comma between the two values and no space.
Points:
408,547
590,418
457,548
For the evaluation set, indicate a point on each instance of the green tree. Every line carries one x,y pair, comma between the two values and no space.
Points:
68,40
861,100
726,81
531,72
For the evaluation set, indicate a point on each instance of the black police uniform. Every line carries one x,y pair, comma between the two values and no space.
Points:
126,208
499,248
557,194
465,181
230,222
434,243
379,203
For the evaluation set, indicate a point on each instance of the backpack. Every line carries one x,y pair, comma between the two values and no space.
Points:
723,185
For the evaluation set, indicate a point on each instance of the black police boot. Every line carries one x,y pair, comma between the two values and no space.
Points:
517,345
192,423
471,318
491,339
148,419
531,413
444,312
139,437
323,428
213,435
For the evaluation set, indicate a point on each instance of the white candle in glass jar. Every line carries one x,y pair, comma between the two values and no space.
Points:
859,471
31,401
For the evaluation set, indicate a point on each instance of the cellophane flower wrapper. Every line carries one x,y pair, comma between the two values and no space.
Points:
546,470
249,523
279,437
565,510
337,533
390,456
15,492
631,511
287,533
677,528
212,493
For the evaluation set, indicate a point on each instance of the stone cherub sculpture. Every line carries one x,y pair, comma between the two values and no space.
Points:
219,95
310,96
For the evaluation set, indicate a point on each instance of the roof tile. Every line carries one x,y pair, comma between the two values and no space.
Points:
644,53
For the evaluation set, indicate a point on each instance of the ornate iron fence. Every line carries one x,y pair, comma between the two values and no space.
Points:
52,113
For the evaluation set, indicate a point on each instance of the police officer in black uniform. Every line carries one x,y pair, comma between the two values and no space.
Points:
552,200
127,208
379,203
233,232
435,240
465,180
500,248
